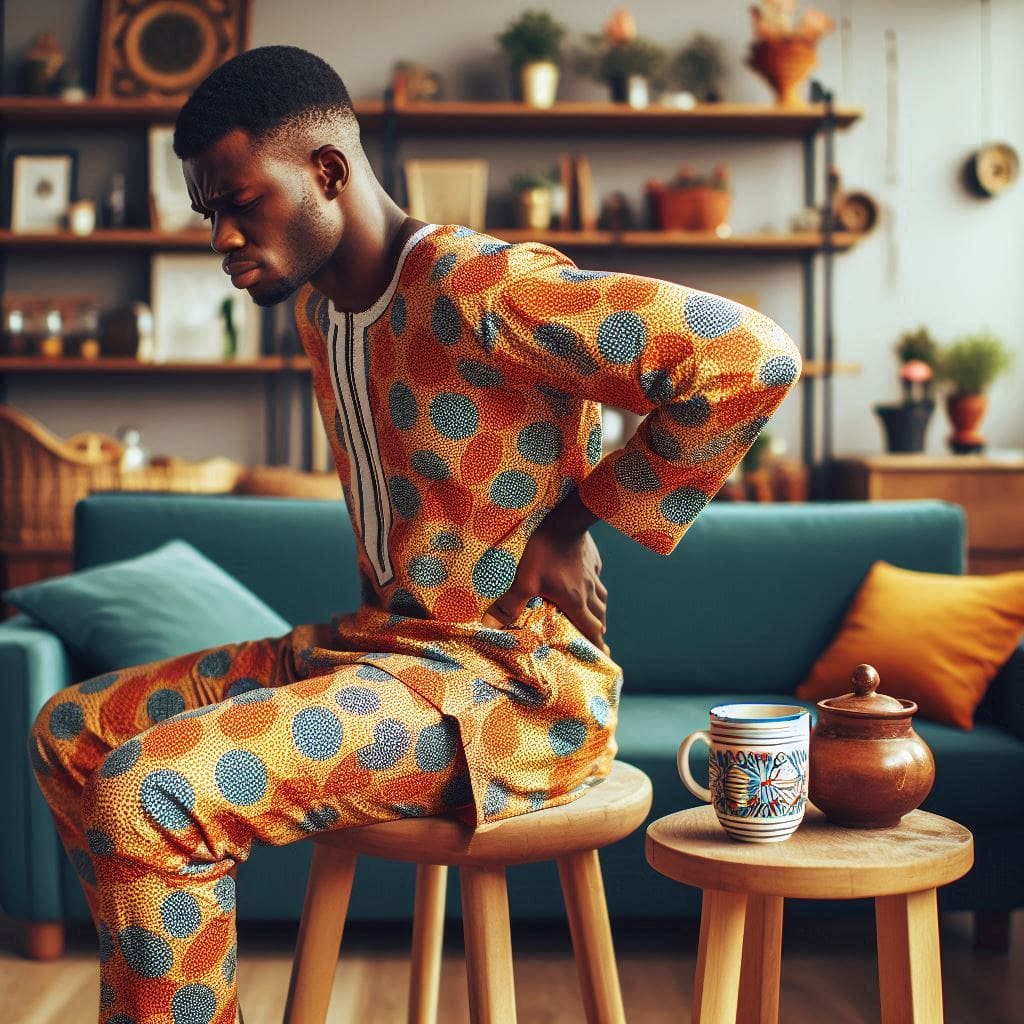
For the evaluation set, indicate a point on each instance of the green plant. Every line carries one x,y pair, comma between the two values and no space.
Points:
686,178
525,180
973,362
698,66
918,345
534,36
607,62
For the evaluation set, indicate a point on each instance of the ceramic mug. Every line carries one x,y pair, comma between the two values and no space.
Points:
757,769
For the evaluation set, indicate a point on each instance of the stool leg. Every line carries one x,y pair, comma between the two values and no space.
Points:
320,930
427,940
485,924
762,961
716,987
909,967
583,889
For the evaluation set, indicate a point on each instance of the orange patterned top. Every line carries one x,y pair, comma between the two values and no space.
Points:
460,409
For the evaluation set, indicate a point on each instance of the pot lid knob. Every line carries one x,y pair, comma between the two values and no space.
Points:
865,697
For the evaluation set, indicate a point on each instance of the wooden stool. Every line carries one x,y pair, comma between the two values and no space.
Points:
744,884
570,834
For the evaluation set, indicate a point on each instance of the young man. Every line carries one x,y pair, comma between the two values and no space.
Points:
458,378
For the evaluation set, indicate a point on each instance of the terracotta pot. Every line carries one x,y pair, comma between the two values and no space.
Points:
784,64
700,208
540,83
965,414
867,767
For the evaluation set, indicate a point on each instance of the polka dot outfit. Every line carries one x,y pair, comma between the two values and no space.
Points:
461,408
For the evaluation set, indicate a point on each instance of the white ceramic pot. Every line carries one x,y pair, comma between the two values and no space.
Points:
535,209
540,83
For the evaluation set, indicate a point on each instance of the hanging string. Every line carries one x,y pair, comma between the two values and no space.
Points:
892,154
985,10
846,43
892,108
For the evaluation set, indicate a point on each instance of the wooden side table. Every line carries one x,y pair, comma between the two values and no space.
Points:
744,885
990,490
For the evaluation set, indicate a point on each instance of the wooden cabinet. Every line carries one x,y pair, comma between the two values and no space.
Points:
991,492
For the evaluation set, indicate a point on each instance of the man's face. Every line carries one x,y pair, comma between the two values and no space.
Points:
270,221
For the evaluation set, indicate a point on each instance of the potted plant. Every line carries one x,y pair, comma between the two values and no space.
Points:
534,191
697,68
628,63
906,422
533,44
784,51
970,365
692,203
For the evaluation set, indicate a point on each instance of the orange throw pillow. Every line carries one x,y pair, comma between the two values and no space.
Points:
935,639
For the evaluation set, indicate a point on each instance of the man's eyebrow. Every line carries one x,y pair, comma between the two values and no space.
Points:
227,194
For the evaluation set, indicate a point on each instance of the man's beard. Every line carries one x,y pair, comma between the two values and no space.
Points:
306,229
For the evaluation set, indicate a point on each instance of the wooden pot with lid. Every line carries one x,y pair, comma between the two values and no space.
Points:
867,767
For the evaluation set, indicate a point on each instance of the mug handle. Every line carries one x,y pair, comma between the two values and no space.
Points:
683,764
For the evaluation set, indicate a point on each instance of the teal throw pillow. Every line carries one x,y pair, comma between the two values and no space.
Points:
172,600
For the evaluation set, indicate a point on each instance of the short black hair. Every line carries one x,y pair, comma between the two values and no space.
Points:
261,91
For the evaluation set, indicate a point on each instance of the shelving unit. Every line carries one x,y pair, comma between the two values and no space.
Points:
393,123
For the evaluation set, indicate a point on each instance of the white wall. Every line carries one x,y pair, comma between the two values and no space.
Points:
940,256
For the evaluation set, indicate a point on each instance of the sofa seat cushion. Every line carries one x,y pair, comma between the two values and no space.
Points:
977,772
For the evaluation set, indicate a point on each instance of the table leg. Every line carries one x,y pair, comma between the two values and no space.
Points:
909,967
716,986
762,961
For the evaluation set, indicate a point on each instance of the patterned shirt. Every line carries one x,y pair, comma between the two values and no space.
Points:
464,405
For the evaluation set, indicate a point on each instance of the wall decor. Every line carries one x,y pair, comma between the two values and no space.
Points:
189,291
42,186
162,49
170,208
448,191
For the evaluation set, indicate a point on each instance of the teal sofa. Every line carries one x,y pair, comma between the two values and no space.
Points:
739,611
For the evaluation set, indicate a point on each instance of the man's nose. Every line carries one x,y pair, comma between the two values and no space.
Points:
226,236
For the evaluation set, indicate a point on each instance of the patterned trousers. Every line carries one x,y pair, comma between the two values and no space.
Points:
162,778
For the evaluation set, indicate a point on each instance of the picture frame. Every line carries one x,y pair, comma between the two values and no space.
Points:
42,188
447,191
170,208
162,49
187,292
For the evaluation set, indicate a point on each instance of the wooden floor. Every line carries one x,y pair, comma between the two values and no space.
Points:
828,975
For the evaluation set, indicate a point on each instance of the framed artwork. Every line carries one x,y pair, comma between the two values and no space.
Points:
447,191
191,323
170,208
162,49
42,185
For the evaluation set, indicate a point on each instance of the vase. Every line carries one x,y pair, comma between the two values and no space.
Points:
535,209
784,64
905,425
618,86
965,414
696,208
540,83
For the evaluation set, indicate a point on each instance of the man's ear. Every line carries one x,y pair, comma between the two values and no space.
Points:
333,170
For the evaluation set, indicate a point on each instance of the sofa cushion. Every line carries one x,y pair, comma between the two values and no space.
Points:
971,768
167,602
934,638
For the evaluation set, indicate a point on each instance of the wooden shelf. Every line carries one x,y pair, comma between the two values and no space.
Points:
73,365
697,240
459,117
30,366
144,238
456,117
108,238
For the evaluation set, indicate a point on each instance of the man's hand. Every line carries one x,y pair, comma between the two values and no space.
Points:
560,563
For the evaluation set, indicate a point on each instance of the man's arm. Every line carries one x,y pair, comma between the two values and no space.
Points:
706,373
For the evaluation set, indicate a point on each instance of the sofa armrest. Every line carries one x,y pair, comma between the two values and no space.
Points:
33,666
1003,704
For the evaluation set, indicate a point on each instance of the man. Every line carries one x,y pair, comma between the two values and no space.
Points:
458,378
